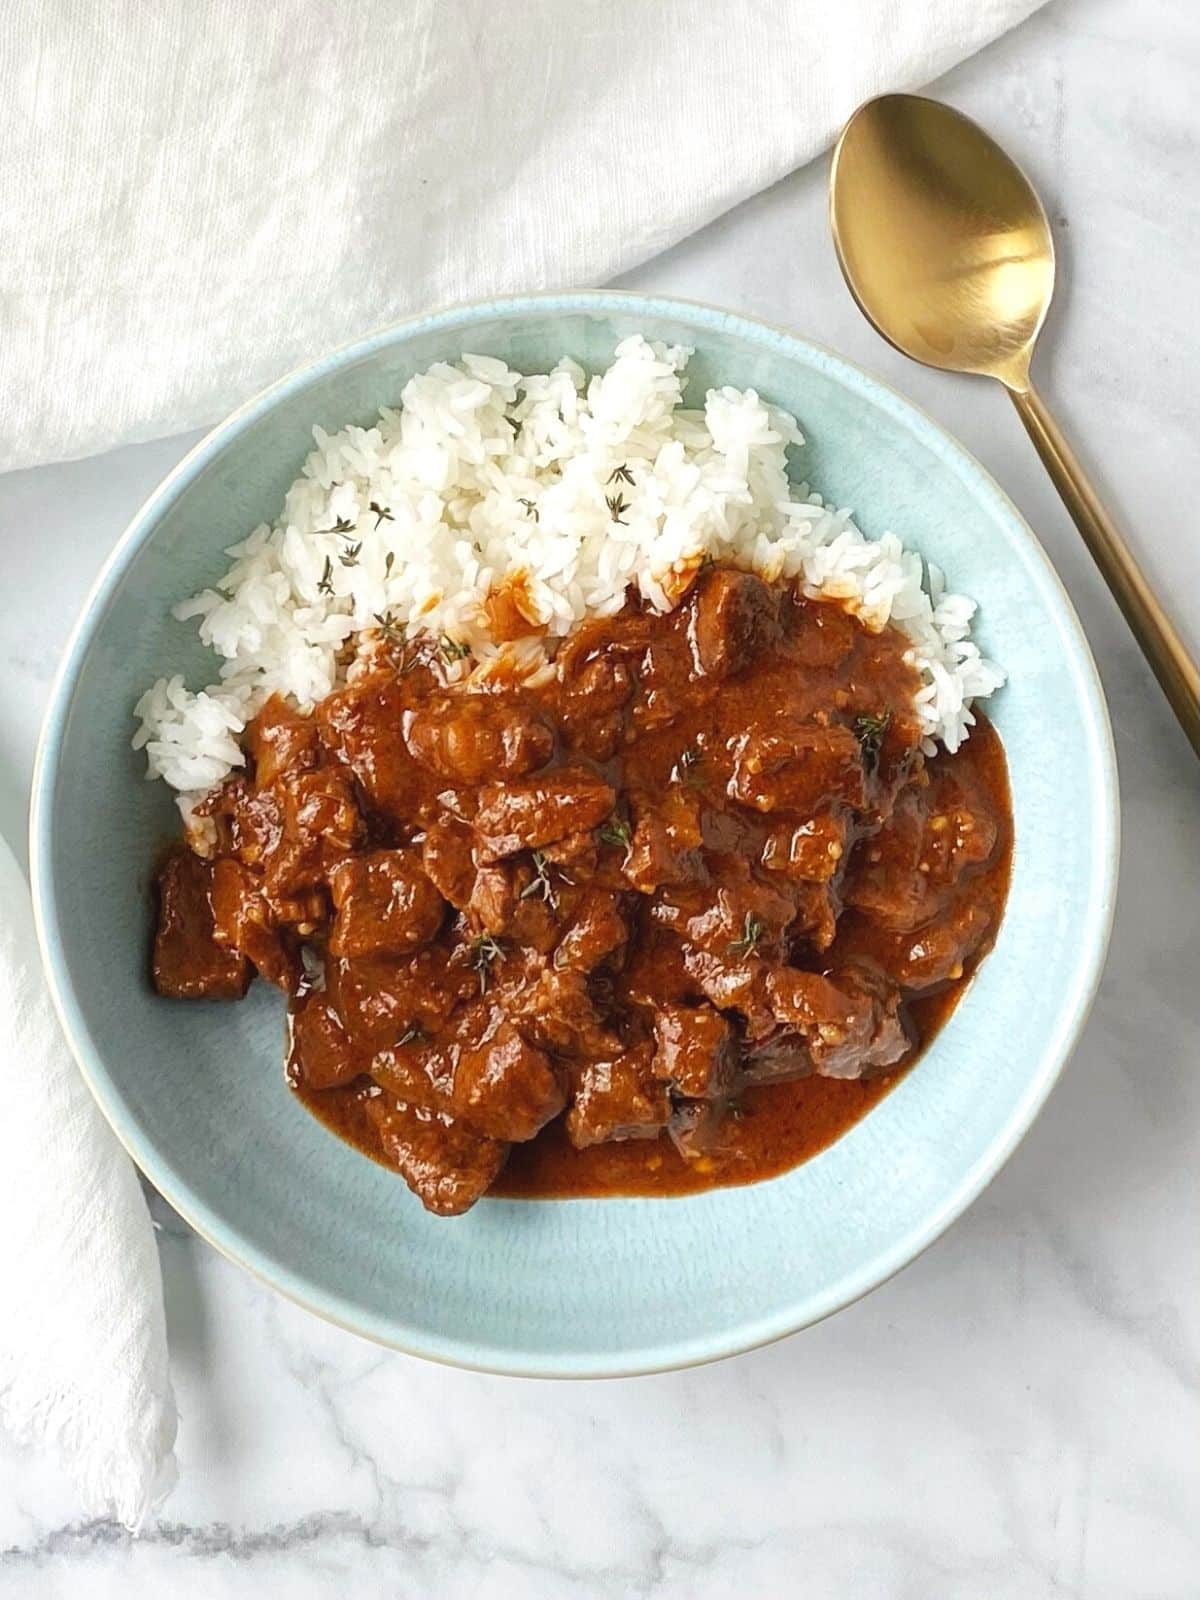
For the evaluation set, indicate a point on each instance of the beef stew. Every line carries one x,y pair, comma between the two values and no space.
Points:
671,914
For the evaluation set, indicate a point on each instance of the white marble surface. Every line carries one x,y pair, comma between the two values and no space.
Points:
1016,1415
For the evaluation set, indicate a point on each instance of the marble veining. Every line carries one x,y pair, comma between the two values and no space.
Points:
1016,1415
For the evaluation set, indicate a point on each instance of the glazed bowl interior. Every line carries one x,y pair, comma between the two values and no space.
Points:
578,1287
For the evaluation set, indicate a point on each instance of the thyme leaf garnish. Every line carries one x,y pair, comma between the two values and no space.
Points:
540,883
453,649
616,831
869,730
349,556
621,474
395,633
484,951
413,1034
382,513
388,562
325,586
531,509
752,932
689,760
342,525
617,507
390,627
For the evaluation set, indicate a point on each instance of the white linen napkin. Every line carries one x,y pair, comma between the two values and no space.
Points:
83,1340
198,195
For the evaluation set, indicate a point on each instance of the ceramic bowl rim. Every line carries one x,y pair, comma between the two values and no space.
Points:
813,1306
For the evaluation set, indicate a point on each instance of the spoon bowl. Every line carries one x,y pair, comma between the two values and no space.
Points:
943,240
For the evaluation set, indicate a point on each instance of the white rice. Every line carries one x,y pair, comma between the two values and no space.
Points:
483,473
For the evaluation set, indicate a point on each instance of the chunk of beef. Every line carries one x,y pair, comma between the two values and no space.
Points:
781,1055
321,1055
189,963
807,859
812,851
849,1023
734,615
596,683
697,1051
960,832
818,906
385,904
798,767
448,858
738,914
576,854
732,983
280,740
247,822
363,724
242,921
667,836
597,932
938,952
557,1011
506,1087
501,905
663,693
446,1165
601,639
494,899
381,998
527,813
807,1000
617,1100
319,811
653,971
876,1038
301,913
472,737
883,879
900,876
321,824
417,1072
897,761
809,856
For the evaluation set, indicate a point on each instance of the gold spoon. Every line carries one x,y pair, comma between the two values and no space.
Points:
947,250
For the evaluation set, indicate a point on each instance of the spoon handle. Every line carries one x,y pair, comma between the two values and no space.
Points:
1166,652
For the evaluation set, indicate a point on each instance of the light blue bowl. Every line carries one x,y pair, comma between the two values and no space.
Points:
586,1287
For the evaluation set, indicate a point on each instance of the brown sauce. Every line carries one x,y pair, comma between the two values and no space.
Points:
674,916
780,1126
